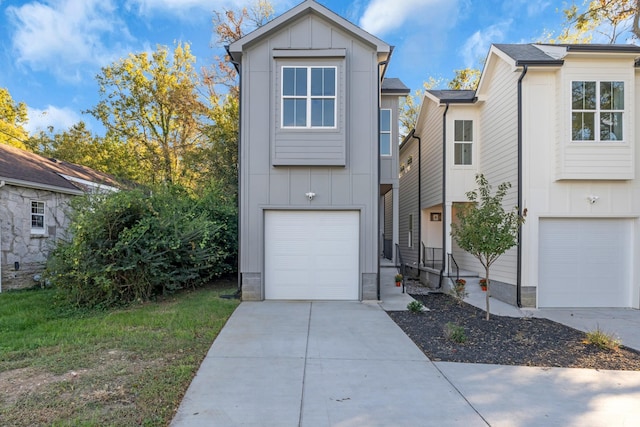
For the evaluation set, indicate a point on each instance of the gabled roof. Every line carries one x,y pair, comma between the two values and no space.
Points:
393,86
23,168
304,8
453,96
528,54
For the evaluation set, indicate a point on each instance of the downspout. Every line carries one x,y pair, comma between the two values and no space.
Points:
238,68
379,249
519,248
419,216
444,194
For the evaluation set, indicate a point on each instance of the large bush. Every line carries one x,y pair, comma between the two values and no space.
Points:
132,245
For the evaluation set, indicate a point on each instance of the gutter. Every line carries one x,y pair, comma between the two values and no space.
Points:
238,68
444,194
519,248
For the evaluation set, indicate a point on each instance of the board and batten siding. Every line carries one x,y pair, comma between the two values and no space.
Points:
349,184
546,197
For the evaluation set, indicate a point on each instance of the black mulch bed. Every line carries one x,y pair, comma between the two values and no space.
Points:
505,340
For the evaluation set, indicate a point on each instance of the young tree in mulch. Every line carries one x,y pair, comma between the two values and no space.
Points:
484,228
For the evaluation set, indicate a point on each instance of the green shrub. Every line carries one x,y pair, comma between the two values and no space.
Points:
602,340
415,306
131,245
454,332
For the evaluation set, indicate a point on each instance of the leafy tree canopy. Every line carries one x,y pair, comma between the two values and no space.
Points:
13,117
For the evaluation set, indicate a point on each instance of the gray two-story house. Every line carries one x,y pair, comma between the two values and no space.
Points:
310,190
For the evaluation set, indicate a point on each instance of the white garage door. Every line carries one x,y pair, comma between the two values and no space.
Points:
585,263
312,255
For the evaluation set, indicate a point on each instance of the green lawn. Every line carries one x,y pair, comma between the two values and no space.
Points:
120,367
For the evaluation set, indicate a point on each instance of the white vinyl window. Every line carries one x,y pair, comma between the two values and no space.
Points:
597,110
410,235
463,142
385,132
37,217
309,97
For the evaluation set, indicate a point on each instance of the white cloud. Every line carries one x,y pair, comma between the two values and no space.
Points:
63,35
382,16
180,7
59,118
476,47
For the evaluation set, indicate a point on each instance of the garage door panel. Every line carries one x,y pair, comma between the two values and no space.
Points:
312,255
584,263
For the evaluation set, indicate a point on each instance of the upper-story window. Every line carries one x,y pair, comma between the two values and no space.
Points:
309,97
463,142
37,217
385,132
597,110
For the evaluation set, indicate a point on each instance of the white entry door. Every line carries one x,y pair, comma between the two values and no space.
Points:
585,263
312,255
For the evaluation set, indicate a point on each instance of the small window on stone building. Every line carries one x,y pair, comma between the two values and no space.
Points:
37,217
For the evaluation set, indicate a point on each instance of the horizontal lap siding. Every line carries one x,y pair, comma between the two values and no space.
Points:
431,133
409,202
499,150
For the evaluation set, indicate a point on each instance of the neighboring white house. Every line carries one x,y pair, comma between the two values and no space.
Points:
560,123
34,198
311,184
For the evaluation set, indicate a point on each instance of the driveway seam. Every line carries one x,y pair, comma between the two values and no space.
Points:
304,370
459,392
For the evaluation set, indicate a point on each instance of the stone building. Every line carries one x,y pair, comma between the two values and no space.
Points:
34,204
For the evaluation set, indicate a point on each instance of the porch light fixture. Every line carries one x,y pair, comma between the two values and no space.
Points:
592,199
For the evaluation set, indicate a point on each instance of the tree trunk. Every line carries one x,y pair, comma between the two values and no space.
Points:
487,294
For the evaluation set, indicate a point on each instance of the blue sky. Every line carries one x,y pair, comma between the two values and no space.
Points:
51,50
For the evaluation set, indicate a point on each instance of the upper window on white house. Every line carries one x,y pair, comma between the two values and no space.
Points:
37,217
385,132
463,142
309,97
596,111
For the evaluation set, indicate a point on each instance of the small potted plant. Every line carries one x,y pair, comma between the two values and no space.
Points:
483,284
461,282
398,279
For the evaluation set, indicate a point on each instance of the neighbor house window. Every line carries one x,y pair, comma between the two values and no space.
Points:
309,97
37,217
385,132
462,142
597,110
410,235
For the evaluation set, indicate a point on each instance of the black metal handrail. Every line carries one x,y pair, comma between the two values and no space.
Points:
400,266
452,262
431,257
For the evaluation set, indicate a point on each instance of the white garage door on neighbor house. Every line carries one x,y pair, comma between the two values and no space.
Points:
312,255
585,263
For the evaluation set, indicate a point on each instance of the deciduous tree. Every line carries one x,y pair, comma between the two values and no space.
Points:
484,228
13,118
611,19
152,101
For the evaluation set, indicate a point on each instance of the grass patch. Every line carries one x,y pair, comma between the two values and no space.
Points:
602,340
129,366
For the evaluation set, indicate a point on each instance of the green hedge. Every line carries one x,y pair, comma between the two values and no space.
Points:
133,245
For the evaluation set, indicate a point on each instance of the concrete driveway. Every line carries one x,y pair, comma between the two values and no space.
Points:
348,364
